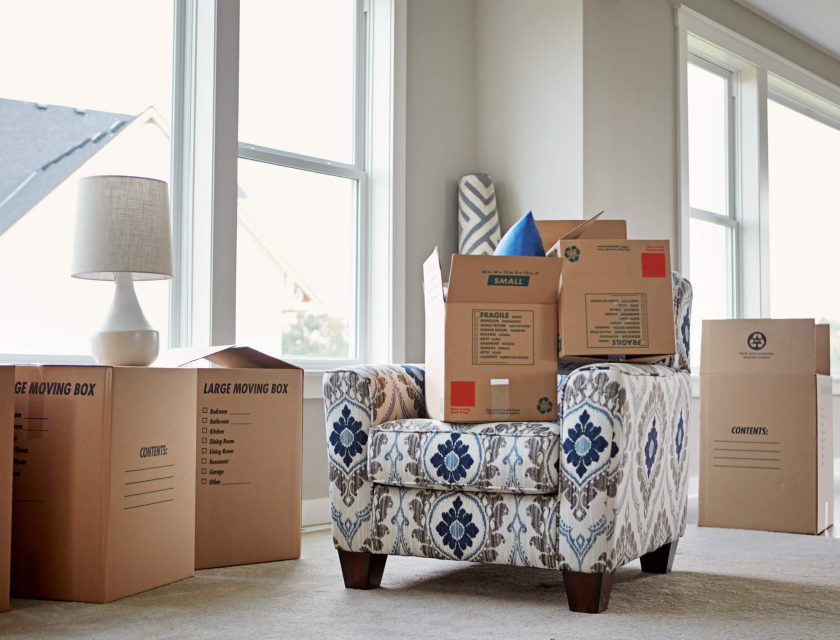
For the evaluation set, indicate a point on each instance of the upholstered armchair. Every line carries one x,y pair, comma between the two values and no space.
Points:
603,485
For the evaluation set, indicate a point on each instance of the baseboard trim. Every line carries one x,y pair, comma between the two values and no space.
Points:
693,486
315,512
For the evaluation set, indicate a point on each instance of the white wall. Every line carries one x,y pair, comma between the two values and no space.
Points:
529,105
439,139
629,114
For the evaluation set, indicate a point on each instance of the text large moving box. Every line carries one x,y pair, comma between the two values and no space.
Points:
766,426
104,488
490,338
7,409
249,434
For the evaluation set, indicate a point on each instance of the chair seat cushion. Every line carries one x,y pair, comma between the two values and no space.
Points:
502,457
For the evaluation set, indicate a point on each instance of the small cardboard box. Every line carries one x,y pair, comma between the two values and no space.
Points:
7,411
766,426
490,338
104,490
552,231
249,439
616,298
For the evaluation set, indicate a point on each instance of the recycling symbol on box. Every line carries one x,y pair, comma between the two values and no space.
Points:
572,254
544,405
757,341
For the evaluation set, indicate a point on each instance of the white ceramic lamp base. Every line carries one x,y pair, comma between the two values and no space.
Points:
126,338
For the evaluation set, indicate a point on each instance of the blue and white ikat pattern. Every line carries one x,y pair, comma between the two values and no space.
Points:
510,457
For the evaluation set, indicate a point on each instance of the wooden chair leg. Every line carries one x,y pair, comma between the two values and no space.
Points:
588,592
361,570
660,560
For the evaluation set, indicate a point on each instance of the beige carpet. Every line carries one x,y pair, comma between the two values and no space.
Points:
726,584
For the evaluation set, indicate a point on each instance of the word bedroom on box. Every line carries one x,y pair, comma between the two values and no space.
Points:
438,319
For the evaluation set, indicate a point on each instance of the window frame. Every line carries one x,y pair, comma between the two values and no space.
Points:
758,75
356,171
209,247
729,220
203,183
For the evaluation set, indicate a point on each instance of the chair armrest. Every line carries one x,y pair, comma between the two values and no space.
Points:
623,463
356,399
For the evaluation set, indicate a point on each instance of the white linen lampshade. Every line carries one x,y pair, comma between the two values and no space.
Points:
123,234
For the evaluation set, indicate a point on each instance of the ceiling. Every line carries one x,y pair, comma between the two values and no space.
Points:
817,21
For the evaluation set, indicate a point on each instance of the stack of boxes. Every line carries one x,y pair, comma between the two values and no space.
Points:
112,493
495,332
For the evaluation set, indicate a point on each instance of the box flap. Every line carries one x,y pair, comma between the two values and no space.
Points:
578,231
228,356
506,279
433,278
759,346
552,231
823,338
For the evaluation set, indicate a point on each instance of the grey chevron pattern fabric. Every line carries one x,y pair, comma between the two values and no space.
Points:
478,218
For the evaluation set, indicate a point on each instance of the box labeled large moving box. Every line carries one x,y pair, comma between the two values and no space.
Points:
7,411
249,430
490,338
615,298
766,426
104,487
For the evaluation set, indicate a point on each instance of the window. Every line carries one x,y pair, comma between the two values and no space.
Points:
711,194
85,92
804,189
302,179
290,255
760,172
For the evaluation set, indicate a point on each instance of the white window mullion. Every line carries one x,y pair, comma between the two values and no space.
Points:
181,193
215,173
298,161
763,193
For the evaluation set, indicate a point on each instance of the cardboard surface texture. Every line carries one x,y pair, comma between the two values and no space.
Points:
490,338
615,298
766,453
552,231
7,410
104,499
249,431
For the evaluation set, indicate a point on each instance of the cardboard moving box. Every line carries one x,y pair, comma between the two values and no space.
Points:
490,338
7,411
552,231
766,426
104,481
616,298
249,431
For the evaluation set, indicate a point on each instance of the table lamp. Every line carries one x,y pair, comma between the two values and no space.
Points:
123,234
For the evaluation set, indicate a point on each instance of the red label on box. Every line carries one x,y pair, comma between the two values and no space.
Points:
462,394
653,265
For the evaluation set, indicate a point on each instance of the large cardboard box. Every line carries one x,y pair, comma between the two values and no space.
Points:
552,231
616,298
104,487
249,439
766,426
7,410
490,338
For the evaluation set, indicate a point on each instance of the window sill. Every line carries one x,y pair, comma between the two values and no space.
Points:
313,384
